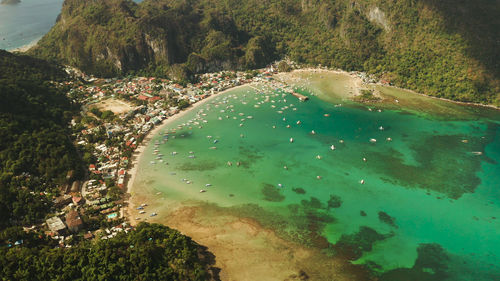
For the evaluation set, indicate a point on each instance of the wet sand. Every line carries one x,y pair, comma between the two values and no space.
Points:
244,250
139,152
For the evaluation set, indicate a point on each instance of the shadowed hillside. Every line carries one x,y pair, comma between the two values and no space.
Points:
441,48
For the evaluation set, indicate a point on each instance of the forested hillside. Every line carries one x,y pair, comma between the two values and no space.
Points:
442,48
150,252
35,150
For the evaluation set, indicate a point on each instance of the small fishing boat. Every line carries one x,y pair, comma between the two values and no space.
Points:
332,147
313,132
291,139
373,140
202,190
362,181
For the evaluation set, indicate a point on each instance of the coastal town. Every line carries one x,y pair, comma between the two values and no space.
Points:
116,116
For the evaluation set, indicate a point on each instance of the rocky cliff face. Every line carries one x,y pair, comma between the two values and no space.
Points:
446,49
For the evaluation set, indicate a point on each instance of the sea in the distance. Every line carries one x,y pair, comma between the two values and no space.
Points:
24,23
422,202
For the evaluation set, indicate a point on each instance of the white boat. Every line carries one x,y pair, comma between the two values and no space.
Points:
362,181
142,212
389,139
202,190
207,185
373,140
153,214
313,132
381,128
280,185
341,141
332,147
298,122
291,139
318,156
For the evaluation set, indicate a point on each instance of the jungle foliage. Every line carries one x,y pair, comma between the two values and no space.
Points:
441,48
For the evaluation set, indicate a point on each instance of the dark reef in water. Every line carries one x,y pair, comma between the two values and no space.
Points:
453,174
334,201
313,203
431,265
385,218
352,246
299,190
272,193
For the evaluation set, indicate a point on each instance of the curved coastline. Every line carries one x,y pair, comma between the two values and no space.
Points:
243,248
233,239
139,151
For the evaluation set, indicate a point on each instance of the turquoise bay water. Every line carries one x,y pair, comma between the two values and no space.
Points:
428,208
24,23
28,21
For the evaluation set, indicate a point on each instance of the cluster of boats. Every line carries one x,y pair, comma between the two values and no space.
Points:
142,211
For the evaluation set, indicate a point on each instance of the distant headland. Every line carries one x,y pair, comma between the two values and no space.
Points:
10,2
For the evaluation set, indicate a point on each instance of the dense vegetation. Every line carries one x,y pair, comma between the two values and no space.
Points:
442,48
35,150
150,252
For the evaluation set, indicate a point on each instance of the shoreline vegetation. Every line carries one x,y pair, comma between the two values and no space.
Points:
456,60
112,138
140,150
244,235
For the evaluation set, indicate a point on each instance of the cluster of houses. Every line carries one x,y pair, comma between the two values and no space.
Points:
151,101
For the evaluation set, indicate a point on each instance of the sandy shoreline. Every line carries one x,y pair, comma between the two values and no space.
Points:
26,47
243,249
139,151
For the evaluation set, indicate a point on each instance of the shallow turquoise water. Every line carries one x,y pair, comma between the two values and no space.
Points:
28,21
428,208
